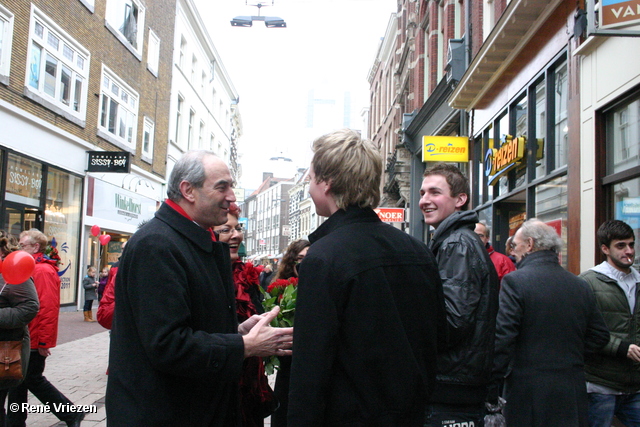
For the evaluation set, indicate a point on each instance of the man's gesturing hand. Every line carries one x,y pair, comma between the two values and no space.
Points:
264,340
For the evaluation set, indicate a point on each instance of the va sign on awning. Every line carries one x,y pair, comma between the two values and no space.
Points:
617,13
445,149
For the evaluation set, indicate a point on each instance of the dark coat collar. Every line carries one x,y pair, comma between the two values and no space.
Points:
189,229
539,257
455,221
341,217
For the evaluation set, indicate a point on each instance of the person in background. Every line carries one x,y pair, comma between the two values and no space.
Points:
370,309
177,351
104,278
90,285
547,320
107,303
509,249
501,262
470,287
288,268
44,335
256,397
613,374
18,306
265,276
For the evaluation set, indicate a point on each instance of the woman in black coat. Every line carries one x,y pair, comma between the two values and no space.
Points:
547,320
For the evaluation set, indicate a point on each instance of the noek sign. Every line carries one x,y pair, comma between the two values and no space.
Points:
445,149
390,214
109,161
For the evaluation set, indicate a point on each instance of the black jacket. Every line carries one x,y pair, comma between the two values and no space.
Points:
175,356
470,285
368,317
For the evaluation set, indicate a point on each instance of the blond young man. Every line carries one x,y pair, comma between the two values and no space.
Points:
370,307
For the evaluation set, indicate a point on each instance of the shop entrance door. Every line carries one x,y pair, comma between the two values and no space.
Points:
18,218
509,215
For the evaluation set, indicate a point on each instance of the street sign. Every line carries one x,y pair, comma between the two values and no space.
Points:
390,214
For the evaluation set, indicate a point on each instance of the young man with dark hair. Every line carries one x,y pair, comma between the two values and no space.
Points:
613,375
470,287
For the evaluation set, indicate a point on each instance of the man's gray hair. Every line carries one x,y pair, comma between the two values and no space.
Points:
189,168
544,237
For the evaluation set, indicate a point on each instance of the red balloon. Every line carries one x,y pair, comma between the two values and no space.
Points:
0,265
104,239
95,230
17,267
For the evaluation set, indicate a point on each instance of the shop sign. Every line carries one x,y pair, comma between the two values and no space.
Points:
390,214
117,204
500,161
109,161
619,12
631,206
445,149
239,193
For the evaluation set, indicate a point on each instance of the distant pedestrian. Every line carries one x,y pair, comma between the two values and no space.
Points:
501,262
547,320
265,276
90,285
108,301
102,283
370,308
44,335
613,374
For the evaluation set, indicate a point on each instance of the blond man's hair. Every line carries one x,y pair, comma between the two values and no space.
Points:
352,165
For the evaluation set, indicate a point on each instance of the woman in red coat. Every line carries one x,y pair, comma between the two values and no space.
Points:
256,397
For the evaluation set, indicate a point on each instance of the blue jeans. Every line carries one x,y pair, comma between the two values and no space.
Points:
602,408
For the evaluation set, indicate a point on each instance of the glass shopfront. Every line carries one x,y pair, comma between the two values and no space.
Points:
38,195
622,178
521,167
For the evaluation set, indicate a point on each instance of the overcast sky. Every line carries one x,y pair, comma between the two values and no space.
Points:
328,45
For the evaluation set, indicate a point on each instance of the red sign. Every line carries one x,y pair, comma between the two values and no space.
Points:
390,214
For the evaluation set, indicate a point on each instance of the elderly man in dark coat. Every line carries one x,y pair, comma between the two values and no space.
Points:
547,320
176,354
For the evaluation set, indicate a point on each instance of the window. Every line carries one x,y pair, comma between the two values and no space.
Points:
125,18
212,140
57,69
201,136
183,52
623,136
194,67
153,53
6,31
561,123
541,128
118,111
192,117
147,139
179,118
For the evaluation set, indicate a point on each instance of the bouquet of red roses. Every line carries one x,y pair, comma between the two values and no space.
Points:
282,293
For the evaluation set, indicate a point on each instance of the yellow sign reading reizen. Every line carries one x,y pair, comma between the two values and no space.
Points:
445,149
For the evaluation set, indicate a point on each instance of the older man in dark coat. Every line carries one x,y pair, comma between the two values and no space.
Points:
547,320
176,354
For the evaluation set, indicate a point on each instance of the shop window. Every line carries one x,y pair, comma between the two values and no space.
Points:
623,136
502,130
62,222
561,122
626,203
153,53
118,111
541,128
57,69
551,208
521,112
125,18
23,181
6,32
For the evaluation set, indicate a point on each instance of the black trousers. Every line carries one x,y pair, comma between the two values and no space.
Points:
41,388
